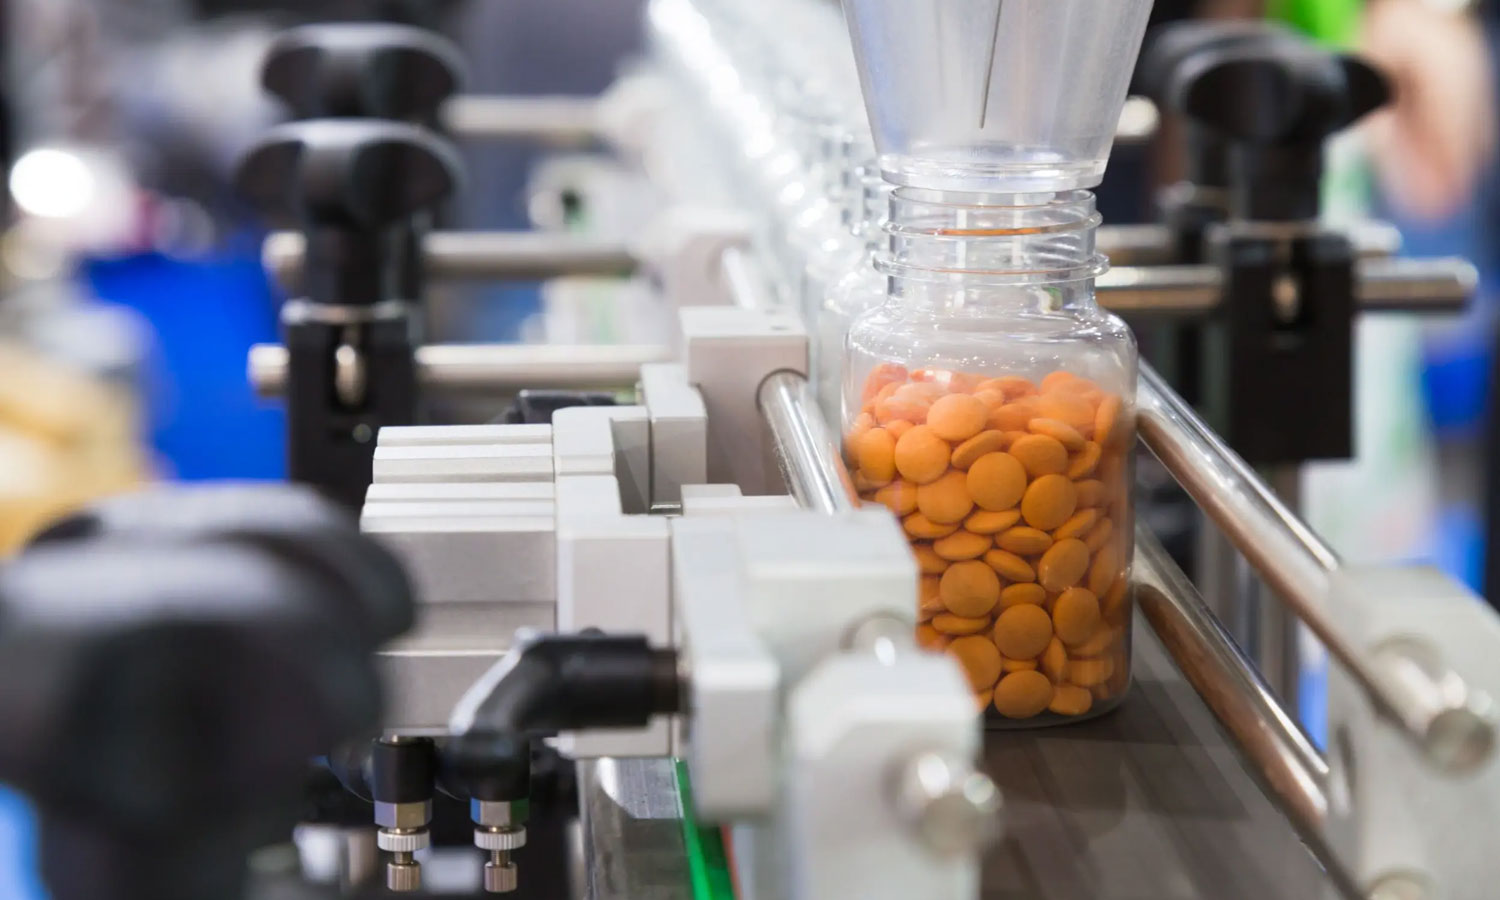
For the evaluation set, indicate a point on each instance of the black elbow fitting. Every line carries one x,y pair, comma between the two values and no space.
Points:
558,682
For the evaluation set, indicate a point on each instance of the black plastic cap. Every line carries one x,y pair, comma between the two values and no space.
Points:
348,174
1274,102
1167,47
1281,93
362,70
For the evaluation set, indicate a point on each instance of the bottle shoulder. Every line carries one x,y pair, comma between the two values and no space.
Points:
1086,340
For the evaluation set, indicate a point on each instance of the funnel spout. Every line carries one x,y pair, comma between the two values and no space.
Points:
1002,96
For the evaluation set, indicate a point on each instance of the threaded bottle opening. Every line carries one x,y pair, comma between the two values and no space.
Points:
1001,239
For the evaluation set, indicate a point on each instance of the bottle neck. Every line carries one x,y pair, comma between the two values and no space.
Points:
868,207
968,252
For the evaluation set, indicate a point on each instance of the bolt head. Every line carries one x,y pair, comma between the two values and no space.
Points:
951,807
403,815
498,813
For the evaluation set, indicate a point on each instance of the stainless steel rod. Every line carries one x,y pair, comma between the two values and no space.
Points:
480,256
1290,768
494,368
555,120
746,280
1138,123
1172,291
1153,245
1452,728
1381,285
1136,245
1399,283
806,446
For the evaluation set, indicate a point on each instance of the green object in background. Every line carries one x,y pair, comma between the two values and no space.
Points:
705,848
1330,21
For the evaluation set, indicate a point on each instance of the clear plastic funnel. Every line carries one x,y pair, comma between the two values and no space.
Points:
1007,96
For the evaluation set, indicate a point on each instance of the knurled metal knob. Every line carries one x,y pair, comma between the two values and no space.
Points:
403,877
500,838
500,879
402,841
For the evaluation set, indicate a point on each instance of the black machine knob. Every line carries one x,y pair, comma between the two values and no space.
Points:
1275,101
1168,48
163,689
363,70
352,186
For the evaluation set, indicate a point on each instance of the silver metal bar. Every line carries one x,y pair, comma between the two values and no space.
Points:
746,280
479,256
1373,238
1279,655
805,444
1452,727
1381,285
1139,121
494,368
555,120
1136,245
1292,771
1191,291
1444,283
1152,244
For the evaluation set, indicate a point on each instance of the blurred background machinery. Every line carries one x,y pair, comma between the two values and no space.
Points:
557,209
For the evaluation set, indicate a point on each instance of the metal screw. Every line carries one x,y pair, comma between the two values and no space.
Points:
403,873
500,876
953,808
1286,297
349,374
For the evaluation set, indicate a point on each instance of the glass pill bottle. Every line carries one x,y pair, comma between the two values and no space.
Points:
989,403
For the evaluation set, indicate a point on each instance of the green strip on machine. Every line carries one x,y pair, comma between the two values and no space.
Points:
707,862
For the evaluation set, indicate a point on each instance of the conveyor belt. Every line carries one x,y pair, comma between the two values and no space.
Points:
1150,802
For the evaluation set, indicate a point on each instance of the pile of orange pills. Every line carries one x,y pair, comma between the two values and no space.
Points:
1015,495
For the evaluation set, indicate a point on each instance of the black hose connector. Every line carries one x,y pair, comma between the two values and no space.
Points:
403,771
550,683
560,682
